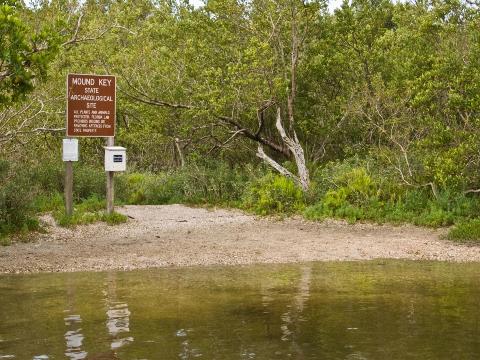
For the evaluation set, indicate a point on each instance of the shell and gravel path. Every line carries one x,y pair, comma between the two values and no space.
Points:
176,235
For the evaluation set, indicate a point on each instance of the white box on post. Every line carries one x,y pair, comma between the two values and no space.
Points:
115,158
70,150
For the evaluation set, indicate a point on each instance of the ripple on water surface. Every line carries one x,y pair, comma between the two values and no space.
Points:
349,310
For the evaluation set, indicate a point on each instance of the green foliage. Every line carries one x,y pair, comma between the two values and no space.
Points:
466,231
114,218
353,193
24,52
5,241
273,194
47,176
16,193
88,181
45,202
27,190
88,211
214,184
197,183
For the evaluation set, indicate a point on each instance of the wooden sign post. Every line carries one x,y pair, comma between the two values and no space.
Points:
68,188
91,108
69,155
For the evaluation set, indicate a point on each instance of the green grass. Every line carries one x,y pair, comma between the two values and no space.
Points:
5,240
83,218
467,231
51,202
355,195
113,218
88,211
20,234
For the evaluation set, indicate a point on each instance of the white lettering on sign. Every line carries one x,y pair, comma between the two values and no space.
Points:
91,91
76,97
83,81
104,82
91,105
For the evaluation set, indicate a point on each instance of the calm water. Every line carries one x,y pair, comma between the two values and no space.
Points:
369,310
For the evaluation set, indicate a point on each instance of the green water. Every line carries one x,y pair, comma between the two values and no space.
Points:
366,310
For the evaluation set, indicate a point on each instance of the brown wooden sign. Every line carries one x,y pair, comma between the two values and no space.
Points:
91,105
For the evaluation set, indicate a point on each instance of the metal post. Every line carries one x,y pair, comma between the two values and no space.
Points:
110,187
69,188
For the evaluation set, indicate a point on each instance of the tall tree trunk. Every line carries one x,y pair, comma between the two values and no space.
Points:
302,178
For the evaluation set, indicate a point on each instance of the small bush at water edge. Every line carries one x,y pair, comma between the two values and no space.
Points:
468,231
274,194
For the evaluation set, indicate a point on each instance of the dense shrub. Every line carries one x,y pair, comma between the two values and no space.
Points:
28,189
466,231
48,176
143,188
273,194
212,183
353,194
348,190
16,194
88,181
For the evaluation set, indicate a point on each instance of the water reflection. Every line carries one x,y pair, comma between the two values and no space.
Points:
74,338
401,310
187,351
294,315
118,316
73,335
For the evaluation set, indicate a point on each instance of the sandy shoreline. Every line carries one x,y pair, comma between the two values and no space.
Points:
175,235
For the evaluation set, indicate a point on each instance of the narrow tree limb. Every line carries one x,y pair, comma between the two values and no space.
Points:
261,154
157,102
75,39
296,149
13,135
180,152
471,191
252,136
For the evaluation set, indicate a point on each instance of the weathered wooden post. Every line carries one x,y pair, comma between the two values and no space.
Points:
68,188
69,155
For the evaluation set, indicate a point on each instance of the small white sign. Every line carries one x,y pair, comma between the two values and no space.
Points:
115,158
70,150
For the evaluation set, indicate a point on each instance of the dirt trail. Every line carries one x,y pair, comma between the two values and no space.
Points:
176,235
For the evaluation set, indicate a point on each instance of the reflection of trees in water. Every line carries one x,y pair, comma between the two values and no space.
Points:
73,336
187,347
117,323
292,318
118,315
187,351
